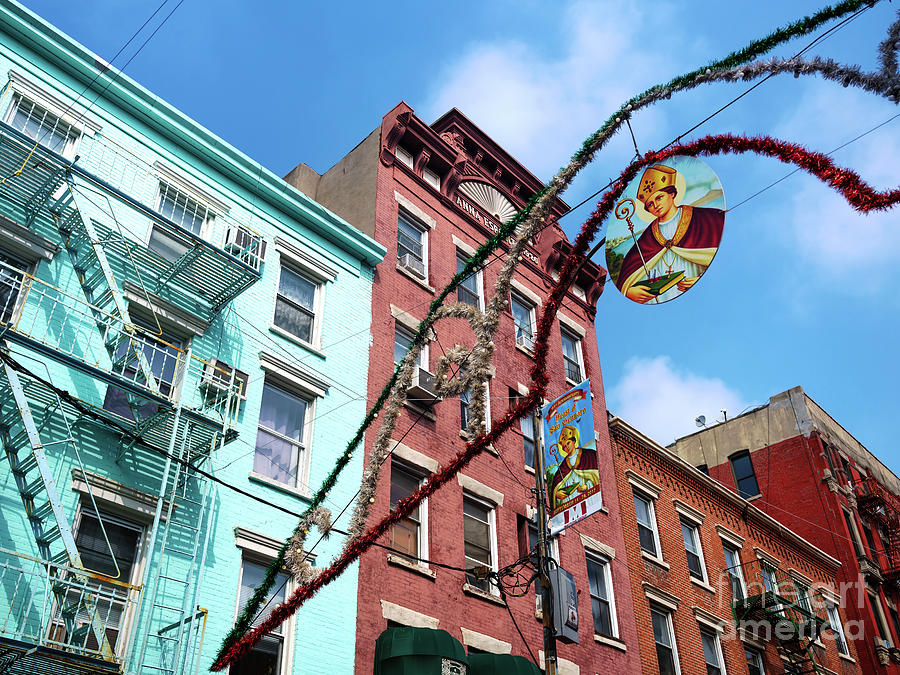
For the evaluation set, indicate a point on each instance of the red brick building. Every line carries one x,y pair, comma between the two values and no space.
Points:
434,193
793,460
719,585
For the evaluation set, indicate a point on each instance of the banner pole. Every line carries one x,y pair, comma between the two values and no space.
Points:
546,606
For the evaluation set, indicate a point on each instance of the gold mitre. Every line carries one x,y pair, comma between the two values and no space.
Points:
655,178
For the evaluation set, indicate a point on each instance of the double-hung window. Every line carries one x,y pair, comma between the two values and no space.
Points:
465,402
602,607
268,655
691,535
523,317
280,444
407,536
42,126
403,339
735,572
412,245
712,652
184,211
469,289
834,621
11,283
296,303
664,636
478,535
744,475
526,426
754,662
571,348
646,522
803,599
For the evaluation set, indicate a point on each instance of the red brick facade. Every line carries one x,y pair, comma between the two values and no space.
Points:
679,494
401,164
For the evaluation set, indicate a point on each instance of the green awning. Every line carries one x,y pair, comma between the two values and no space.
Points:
497,664
396,642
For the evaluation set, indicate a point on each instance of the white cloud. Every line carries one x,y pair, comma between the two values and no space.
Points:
663,401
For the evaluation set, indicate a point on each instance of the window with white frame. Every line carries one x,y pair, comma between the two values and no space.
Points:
754,662
465,401
571,348
526,426
691,535
281,452
404,155
735,571
479,539
11,283
837,628
269,654
469,289
412,245
769,577
712,652
803,599
403,339
408,537
296,304
186,212
523,317
42,126
432,178
528,545
664,636
117,559
646,522
602,605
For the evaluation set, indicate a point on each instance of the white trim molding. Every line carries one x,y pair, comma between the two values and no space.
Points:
405,319
294,377
689,512
478,489
463,246
115,496
485,643
709,619
652,490
732,538
660,597
414,457
23,243
304,261
407,617
525,292
169,174
69,112
595,546
572,325
415,211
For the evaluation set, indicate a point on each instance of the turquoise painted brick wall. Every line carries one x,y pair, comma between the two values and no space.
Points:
137,140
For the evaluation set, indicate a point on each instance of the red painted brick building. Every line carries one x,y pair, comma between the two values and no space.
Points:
719,585
793,460
434,193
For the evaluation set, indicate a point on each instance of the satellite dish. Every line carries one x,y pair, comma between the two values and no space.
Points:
701,420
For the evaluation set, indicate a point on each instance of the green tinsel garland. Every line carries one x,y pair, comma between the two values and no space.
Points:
590,146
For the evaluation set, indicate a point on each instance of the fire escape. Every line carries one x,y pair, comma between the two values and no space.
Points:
770,606
879,505
176,409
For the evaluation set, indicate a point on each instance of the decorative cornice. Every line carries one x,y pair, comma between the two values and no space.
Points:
659,596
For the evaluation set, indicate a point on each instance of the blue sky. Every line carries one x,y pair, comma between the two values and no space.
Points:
803,289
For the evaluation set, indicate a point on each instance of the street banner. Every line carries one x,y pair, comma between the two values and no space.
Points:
571,469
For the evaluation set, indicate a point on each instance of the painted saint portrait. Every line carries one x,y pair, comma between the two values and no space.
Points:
666,230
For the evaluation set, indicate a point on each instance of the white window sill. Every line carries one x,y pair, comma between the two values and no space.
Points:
525,350
281,487
405,272
573,382
468,439
476,592
610,642
281,332
702,584
846,657
427,413
659,562
411,565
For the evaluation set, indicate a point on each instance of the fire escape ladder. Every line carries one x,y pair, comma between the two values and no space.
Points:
43,507
882,506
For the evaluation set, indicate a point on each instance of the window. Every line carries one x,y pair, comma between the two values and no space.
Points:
526,424
646,521
834,620
523,317
600,583
432,178
895,618
803,599
163,355
571,347
744,476
267,656
403,339
185,212
118,560
735,572
870,540
712,652
666,654
465,402
469,289
407,536
854,535
295,304
703,468
478,536
769,578
754,662
411,243
404,155
42,126
880,620
280,449
691,535
10,284
848,472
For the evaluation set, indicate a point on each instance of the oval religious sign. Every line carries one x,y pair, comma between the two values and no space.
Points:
666,230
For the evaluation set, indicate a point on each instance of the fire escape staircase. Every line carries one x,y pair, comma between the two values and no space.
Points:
878,504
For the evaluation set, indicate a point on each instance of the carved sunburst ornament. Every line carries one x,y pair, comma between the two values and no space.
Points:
488,198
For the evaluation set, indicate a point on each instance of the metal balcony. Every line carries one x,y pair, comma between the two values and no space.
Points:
43,628
879,505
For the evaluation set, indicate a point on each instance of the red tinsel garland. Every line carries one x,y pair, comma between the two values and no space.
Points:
857,193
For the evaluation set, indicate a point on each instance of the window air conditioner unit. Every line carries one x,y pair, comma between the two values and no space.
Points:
246,245
217,376
524,340
413,264
421,391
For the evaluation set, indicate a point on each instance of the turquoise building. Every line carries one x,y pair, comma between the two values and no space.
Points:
175,322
